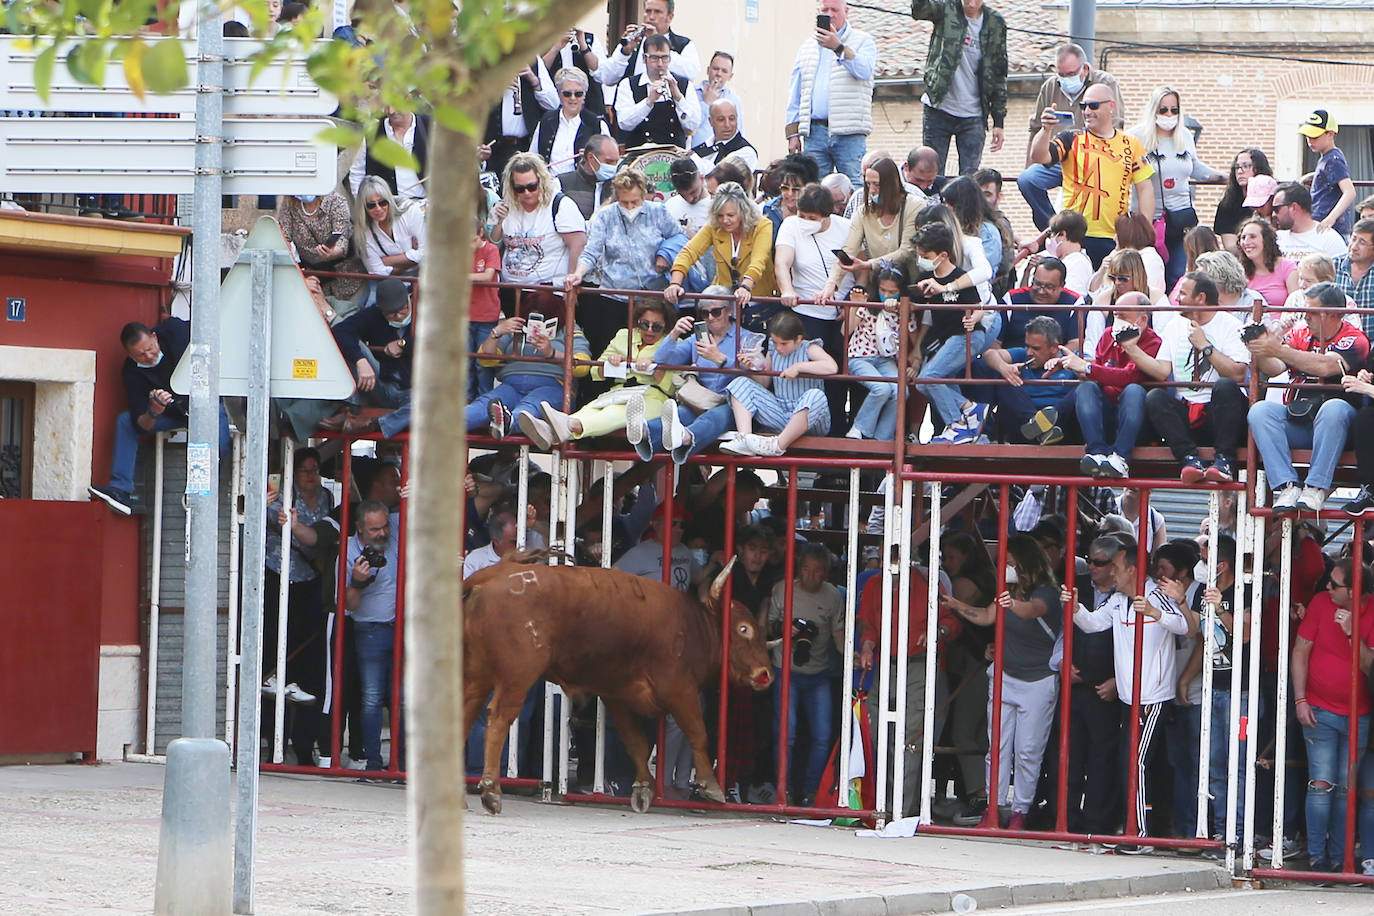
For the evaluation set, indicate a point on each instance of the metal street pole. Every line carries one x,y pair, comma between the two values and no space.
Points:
1083,24
194,864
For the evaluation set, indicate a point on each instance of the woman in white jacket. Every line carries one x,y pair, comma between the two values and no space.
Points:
390,235
1156,608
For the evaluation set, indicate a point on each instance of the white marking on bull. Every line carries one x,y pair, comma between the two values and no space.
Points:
534,634
525,577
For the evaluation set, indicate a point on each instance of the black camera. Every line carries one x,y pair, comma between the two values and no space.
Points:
804,634
1252,331
1125,334
374,557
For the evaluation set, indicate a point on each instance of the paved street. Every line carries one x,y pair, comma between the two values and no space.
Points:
81,838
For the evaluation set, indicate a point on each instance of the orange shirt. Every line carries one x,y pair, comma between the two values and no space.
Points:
871,615
1098,174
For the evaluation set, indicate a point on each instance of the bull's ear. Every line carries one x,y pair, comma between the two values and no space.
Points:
718,586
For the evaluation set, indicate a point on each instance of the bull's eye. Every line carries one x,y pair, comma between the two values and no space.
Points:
746,631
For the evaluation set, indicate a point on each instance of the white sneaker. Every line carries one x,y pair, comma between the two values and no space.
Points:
558,421
1367,867
1312,498
294,694
634,418
536,430
853,433
269,686
764,446
674,433
1114,466
739,445
1286,500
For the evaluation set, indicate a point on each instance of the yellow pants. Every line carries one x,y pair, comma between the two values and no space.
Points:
602,421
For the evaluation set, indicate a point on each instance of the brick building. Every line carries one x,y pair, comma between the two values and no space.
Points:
1315,56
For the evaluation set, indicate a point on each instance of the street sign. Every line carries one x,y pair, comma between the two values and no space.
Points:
284,88
305,360
157,156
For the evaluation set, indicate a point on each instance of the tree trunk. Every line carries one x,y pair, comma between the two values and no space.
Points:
434,534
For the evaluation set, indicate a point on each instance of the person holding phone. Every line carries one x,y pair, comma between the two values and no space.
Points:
320,230
886,218
832,126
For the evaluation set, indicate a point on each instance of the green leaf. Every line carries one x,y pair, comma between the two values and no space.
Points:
86,61
164,66
341,135
455,120
391,154
42,71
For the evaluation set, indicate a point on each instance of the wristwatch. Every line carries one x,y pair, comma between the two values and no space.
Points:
1207,351
839,52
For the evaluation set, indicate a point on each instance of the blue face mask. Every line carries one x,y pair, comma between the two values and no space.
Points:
151,365
401,324
306,198
1072,85
605,171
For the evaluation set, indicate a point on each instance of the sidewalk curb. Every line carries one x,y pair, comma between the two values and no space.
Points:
1202,878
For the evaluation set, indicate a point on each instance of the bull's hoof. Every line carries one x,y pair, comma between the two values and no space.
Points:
641,797
711,792
491,796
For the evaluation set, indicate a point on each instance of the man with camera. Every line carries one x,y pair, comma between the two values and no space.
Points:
153,354
1323,351
370,600
817,633
656,106
1202,345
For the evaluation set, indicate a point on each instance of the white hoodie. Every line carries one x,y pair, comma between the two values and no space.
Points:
1157,679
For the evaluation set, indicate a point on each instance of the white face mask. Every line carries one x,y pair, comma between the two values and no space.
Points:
925,264
151,365
808,226
701,556
1052,246
1166,122
1012,578
630,212
401,324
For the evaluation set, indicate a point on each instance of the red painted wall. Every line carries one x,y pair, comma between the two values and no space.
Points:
81,304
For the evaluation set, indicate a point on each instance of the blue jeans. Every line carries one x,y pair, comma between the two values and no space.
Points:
127,434
1181,735
375,642
811,692
1220,748
937,128
1326,761
835,152
1096,415
519,393
1036,181
1097,249
706,429
949,362
877,416
480,378
1276,436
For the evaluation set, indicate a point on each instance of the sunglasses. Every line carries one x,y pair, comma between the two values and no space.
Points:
1093,106
1165,109
572,95
1334,586
376,205
525,188
1099,563
1119,278
713,312
654,326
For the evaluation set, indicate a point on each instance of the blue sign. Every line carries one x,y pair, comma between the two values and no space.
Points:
751,10
15,308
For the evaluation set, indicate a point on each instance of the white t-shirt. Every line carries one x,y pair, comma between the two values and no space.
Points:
1223,332
1297,244
1078,269
691,217
534,250
813,260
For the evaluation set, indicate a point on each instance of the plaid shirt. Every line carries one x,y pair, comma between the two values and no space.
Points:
1362,292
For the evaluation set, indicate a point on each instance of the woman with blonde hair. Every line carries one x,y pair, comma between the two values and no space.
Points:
1123,271
538,245
1234,294
1134,232
390,235
1170,150
742,241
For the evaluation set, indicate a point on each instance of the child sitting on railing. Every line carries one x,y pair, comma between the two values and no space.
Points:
796,403
875,339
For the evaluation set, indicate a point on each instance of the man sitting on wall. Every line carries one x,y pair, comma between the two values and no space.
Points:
153,354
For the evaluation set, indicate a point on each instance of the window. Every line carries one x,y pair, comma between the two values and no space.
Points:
16,439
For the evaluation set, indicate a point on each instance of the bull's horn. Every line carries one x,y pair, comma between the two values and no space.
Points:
718,586
773,643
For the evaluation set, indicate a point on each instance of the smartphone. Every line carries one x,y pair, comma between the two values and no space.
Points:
1251,332
274,483
823,21
701,332
534,319
843,256
1065,117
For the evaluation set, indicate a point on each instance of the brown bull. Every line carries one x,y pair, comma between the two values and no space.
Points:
645,648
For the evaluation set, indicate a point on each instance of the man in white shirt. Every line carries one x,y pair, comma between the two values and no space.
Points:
1202,344
511,123
726,140
690,205
718,73
501,526
653,105
1299,234
411,131
627,58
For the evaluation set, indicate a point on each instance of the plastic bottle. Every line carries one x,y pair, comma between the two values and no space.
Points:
963,903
